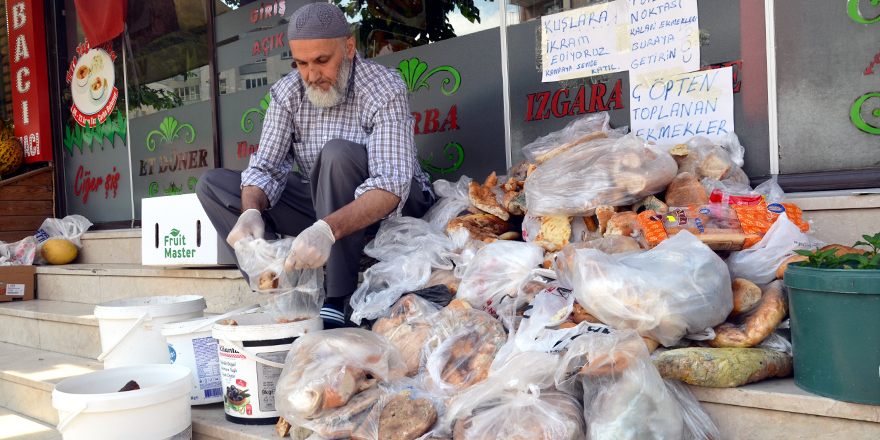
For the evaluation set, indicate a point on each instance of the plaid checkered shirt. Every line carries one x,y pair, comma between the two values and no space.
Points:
375,113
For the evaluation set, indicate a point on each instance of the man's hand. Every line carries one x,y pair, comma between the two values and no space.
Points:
250,223
311,248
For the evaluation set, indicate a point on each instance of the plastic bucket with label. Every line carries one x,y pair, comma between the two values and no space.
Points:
252,355
91,407
191,345
131,329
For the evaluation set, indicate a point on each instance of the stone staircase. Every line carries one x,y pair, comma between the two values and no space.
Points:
47,340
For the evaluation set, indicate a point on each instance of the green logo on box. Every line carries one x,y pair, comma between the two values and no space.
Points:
175,246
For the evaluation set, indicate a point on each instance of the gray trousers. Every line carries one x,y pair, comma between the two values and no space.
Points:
340,168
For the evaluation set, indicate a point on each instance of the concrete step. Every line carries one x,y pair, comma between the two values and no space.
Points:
22,427
121,246
57,326
223,288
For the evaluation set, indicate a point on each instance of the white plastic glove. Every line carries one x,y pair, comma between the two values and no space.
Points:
311,248
250,223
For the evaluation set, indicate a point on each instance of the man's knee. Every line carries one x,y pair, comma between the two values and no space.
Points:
208,181
340,151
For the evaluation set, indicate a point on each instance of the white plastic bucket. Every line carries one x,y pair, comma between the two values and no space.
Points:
252,355
191,345
91,407
131,329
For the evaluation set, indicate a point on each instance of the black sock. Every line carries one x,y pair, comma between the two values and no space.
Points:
338,301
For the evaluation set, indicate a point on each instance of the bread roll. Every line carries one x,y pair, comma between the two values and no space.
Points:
268,281
745,296
685,190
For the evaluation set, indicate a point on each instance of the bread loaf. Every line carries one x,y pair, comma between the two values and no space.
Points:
554,234
484,198
565,147
745,296
343,385
842,250
622,223
722,367
406,419
686,190
479,226
755,325
715,165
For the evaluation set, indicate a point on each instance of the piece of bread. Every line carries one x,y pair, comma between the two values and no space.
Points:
722,367
458,304
130,386
622,223
745,296
268,281
739,176
479,226
484,198
565,147
680,150
548,260
554,234
649,202
592,223
757,324
282,427
341,422
631,182
580,315
715,165
604,213
228,322
686,190
343,385
519,172
406,419
511,205
650,343
780,272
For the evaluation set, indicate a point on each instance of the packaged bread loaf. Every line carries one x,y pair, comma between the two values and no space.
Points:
406,326
749,328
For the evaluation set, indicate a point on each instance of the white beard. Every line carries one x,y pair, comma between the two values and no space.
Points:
336,92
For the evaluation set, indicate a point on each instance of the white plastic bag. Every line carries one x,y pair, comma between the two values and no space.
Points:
624,395
70,228
718,162
413,238
453,201
610,171
612,244
20,253
575,130
759,263
679,287
385,282
293,296
497,273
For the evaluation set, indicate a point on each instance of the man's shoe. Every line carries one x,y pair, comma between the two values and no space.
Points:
333,316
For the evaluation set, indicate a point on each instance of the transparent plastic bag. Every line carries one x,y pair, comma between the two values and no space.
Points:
411,237
385,282
610,171
624,396
407,325
325,383
771,191
776,341
446,278
751,327
415,423
497,273
612,244
459,350
677,288
441,213
572,132
759,263
20,253
293,296
697,424
70,228
719,162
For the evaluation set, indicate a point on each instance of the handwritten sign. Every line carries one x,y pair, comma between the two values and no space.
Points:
583,42
663,36
671,110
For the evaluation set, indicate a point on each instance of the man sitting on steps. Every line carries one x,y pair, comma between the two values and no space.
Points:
345,122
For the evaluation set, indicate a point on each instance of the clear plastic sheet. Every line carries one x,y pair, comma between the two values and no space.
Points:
320,387
679,287
575,130
718,162
612,244
411,237
759,263
497,273
407,325
624,396
414,424
697,424
617,172
385,282
293,296
459,350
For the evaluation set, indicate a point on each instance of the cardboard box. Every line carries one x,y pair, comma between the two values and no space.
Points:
177,232
17,282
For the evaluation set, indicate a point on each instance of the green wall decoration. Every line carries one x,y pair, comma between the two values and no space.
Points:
246,124
86,136
170,131
173,190
411,70
856,116
852,6
426,163
191,183
154,189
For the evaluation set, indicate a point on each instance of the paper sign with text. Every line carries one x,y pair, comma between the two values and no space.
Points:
583,42
663,36
671,110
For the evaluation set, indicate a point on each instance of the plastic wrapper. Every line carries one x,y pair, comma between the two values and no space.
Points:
612,244
697,424
721,227
412,237
719,162
759,263
406,411
20,253
617,172
753,325
446,278
453,201
322,385
293,296
776,341
575,130
459,350
729,192
407,325
497,273
385,282
70,228
677,288
624,396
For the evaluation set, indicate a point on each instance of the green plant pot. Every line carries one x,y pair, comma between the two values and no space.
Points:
835,332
